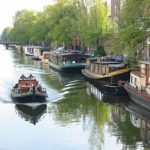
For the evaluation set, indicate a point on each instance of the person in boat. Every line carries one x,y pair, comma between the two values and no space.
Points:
31,76
23,77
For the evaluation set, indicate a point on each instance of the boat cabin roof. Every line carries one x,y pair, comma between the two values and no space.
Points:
108,62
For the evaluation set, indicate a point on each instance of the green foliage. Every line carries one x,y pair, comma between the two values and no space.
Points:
61,19
61,23
23,23
39,29
6,36
100,51
98,23
133,28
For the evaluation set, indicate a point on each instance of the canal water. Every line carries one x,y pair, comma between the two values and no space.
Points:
75,116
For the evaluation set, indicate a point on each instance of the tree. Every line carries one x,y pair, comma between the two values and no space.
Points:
22,27
100,51
39,30
61,19
133,28
5,36
99,23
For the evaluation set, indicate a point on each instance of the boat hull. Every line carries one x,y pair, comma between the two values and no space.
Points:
67,67
137,96
109,85
113,89
107,98
112,79
106,88
26,98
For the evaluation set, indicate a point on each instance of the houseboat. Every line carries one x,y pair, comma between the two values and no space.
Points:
45,57
109,74
29,50
138,87
67,61
28,89
41,53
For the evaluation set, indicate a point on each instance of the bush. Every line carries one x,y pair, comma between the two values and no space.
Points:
100,51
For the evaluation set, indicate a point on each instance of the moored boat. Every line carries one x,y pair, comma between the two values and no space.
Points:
28,89
40,53
67,61
138,86
29,50
109,75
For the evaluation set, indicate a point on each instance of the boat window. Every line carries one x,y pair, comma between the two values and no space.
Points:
131,79
135,81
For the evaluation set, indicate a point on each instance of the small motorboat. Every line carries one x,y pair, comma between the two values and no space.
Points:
28,89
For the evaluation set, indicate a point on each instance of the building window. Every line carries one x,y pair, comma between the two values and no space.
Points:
135,81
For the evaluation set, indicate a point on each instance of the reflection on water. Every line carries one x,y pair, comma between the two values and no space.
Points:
117,122
31,112
95,91
76,115
140,118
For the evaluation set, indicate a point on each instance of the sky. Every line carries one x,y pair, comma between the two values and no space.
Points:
8,9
